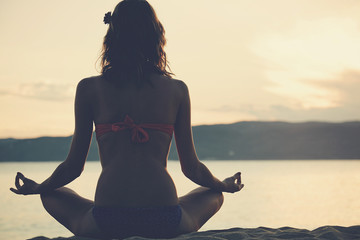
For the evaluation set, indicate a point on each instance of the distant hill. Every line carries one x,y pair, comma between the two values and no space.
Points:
242,140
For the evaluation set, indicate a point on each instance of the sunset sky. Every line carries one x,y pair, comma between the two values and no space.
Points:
242,60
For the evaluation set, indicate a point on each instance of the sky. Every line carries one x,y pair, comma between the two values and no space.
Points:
243,60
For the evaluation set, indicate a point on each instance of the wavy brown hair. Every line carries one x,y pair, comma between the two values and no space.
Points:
133,46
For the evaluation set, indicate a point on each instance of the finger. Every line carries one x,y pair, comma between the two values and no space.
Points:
21,176
17,182
14,190
234,177
238,177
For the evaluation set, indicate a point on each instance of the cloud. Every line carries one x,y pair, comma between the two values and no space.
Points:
303,61
345,106
347,86
41,91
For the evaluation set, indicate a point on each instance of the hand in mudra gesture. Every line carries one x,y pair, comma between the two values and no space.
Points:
233,184
28,187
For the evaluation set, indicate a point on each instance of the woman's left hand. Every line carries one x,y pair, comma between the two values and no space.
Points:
29,186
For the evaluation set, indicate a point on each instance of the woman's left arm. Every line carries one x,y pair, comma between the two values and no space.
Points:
72,167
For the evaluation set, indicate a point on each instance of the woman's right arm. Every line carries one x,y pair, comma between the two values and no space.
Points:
193,169
72,167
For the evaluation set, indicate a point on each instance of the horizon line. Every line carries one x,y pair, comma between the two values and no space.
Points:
205,124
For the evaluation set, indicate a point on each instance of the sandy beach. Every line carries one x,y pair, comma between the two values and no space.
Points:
324,232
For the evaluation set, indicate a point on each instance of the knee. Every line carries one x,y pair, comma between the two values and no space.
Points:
45,199
220,199
48,198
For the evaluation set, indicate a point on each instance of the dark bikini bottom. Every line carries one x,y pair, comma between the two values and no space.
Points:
150,222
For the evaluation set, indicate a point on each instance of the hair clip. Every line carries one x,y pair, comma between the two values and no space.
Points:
107,18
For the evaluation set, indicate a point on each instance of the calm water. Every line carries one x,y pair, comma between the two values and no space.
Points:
302,194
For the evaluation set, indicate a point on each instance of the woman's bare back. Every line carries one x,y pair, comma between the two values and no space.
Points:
137,171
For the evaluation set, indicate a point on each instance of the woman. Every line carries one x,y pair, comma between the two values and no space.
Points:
135,106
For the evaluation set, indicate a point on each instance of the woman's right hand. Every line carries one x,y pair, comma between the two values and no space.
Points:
233,184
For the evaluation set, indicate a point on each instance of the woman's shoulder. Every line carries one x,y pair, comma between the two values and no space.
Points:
89,83
87,86
89,80
178,88
173,83
179,83
181,87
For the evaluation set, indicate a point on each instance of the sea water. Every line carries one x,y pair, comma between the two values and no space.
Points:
302,194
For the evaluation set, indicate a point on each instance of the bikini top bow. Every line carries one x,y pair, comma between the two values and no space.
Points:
138,133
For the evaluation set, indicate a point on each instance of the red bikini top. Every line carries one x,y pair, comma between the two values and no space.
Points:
138,132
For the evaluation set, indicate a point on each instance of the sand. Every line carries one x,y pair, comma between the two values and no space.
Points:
325,232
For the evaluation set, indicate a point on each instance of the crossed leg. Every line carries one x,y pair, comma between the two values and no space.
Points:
198,206
75,212
72,211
